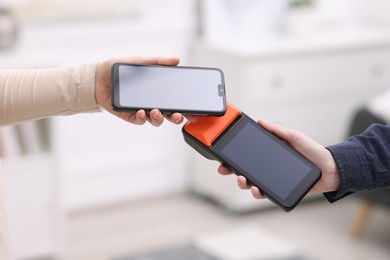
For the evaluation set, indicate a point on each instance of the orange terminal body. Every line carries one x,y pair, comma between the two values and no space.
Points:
208,128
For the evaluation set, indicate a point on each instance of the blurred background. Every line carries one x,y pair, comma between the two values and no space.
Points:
90,186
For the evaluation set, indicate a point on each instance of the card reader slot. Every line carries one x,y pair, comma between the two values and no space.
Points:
208,128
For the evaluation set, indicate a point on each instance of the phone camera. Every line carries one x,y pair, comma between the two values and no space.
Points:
221,90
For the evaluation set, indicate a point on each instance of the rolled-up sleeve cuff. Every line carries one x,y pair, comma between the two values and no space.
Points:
83,82
351,162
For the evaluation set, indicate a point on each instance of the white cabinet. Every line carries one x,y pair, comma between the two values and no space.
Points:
32,203
104,160
310,85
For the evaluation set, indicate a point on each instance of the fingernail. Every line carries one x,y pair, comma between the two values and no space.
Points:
142,116
156,116
178,120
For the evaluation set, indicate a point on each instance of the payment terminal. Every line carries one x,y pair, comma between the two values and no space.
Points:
235,140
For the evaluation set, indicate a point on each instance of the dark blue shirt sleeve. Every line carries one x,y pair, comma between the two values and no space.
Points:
363,161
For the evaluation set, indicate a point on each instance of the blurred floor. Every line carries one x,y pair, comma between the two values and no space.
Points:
319,229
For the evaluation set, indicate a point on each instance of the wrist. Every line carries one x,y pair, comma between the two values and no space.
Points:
332,173
101,89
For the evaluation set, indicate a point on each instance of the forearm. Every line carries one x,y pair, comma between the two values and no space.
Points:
38,93
363,161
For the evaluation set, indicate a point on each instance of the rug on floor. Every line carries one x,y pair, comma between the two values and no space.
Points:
241,243
182,252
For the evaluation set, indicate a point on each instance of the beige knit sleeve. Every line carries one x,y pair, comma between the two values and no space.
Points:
39,93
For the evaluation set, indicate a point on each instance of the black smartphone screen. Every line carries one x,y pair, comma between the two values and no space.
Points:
278,170
193,90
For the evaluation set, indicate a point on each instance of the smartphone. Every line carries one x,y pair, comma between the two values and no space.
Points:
281,173
188,90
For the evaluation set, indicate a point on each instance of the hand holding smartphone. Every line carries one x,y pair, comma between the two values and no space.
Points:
187,90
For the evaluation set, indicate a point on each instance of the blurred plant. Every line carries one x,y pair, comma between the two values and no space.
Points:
298,4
